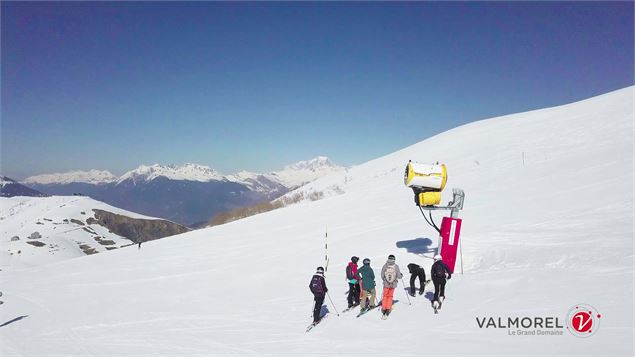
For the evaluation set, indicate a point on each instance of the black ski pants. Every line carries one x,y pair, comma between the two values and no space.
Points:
319,300
353,294
439,287
422,281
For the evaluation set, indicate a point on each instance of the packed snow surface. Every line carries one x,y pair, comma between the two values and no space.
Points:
547,225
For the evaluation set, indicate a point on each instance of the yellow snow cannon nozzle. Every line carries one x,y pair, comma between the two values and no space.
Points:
426,177
428,198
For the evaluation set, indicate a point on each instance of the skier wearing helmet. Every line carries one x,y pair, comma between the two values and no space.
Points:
368,285
390,275
319,290
353,282
439,270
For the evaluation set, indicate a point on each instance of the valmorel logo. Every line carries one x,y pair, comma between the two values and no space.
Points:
583,320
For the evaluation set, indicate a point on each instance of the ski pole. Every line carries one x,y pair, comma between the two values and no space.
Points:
334,308
407,295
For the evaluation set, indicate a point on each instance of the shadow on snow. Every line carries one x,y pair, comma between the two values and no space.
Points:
419,246
429,295
323,311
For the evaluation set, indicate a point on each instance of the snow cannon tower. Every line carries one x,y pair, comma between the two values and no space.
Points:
427,181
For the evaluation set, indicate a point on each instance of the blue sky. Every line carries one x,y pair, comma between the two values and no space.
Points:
258,85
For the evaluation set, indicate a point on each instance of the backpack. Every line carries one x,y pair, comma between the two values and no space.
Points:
391,273
316,285
438,270
349,272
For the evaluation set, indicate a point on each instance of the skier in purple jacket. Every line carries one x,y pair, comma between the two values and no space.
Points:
319,290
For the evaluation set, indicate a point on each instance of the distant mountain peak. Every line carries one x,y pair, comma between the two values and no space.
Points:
4,180
11,188
314,164
303,172
290,177
187,172
90,176
242,175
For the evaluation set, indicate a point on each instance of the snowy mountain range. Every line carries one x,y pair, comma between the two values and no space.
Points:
547,231
189,194
290,176
94,177
187,172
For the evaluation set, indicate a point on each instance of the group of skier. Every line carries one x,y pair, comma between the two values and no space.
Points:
361,284
363,279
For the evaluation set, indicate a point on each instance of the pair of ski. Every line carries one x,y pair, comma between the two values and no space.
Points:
311,326
350,308
385,315
436,305
377,306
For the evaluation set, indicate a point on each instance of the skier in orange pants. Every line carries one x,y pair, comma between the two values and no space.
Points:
390,275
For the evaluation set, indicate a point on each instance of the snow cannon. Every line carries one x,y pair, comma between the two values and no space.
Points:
426,181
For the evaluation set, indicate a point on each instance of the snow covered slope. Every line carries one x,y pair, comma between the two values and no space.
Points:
40,230
548,225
